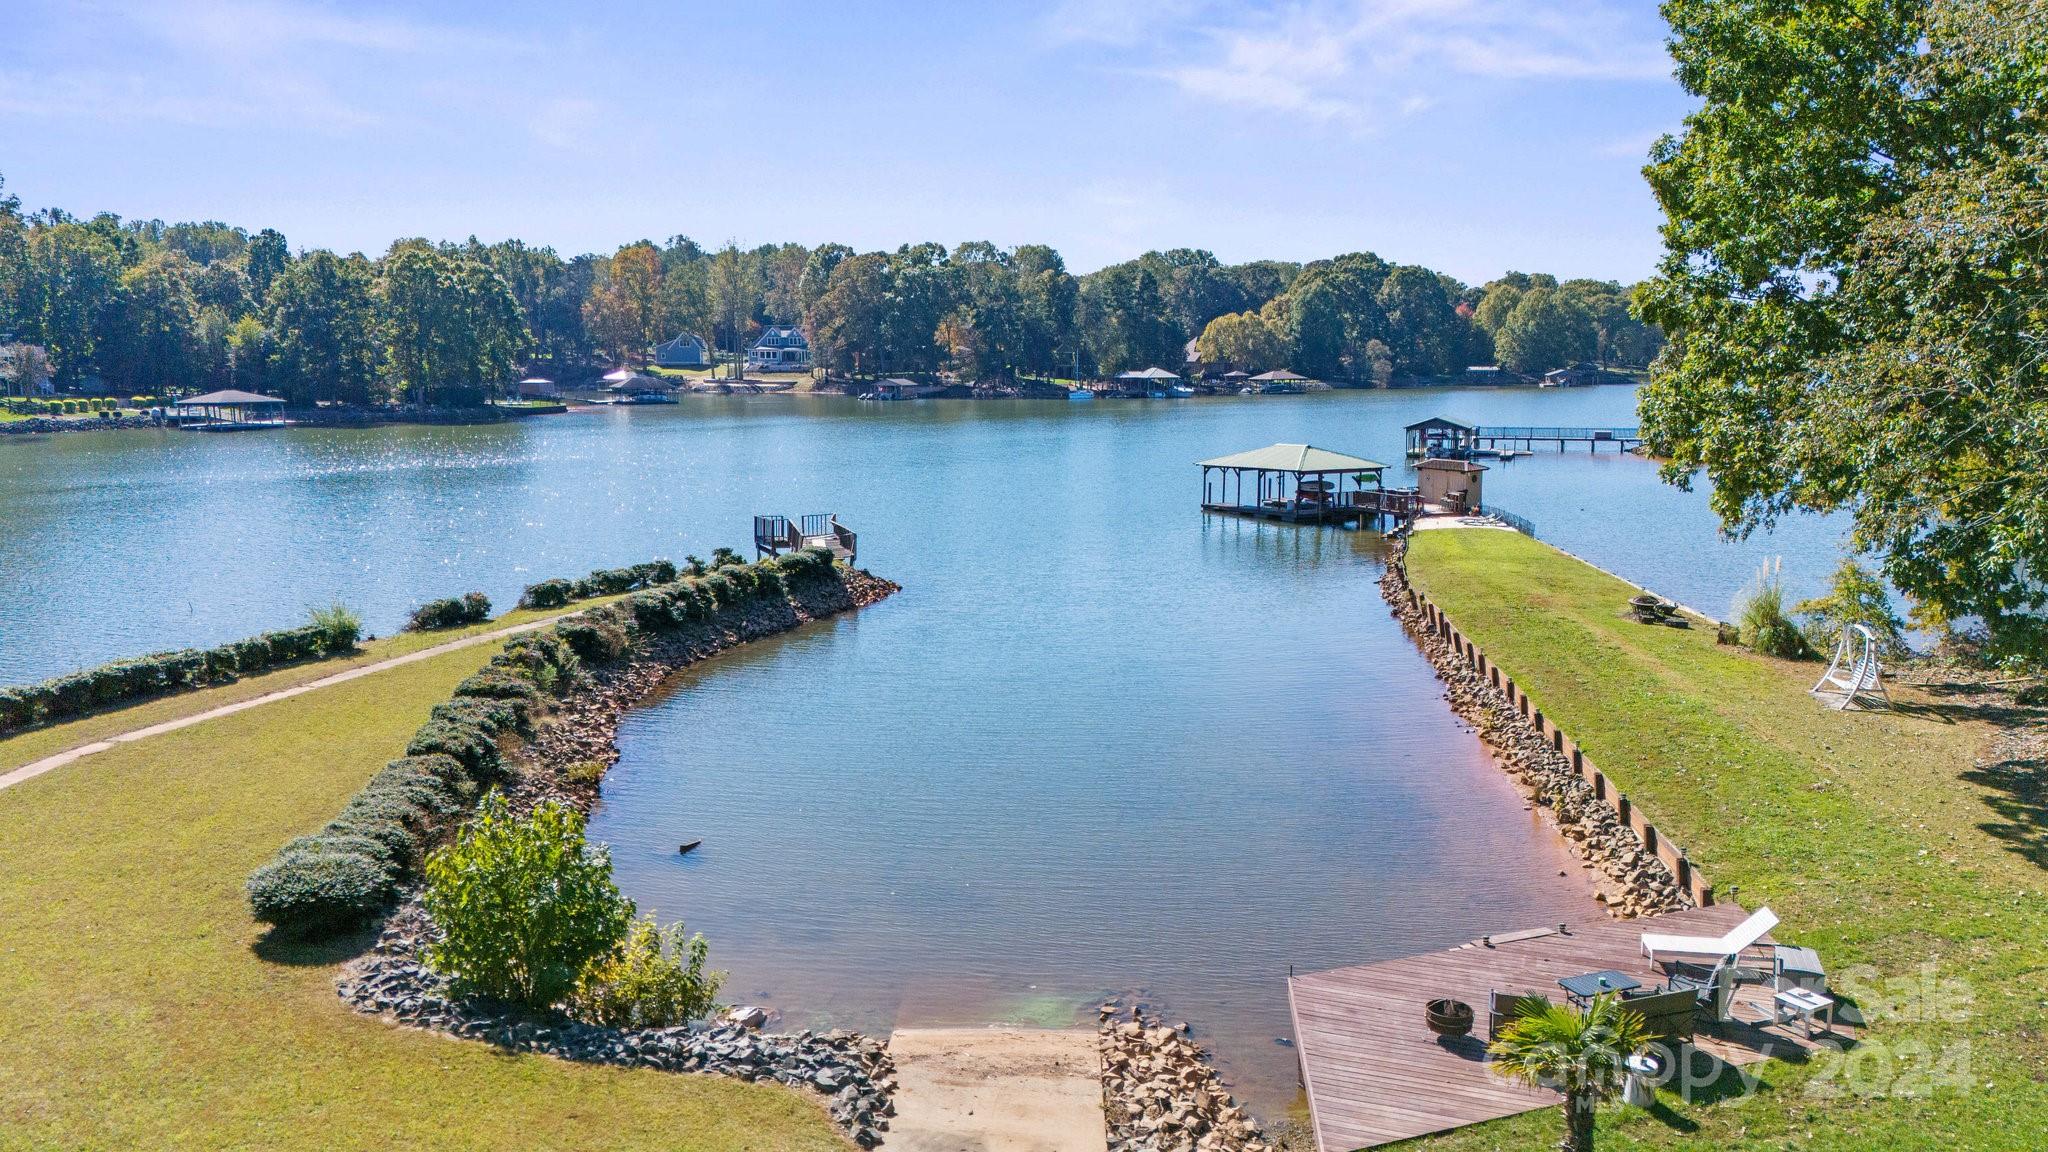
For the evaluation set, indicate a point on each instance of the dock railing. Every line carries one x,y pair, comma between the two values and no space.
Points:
775,534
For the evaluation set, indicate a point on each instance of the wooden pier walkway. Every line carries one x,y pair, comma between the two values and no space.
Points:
1526,437
1375,1074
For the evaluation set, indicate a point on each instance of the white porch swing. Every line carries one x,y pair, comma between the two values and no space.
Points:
1854,677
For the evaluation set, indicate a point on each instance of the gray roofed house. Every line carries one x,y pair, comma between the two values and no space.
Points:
780,348
687,350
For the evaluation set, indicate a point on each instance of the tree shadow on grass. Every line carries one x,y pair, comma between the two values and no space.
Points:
2017,790
297,950
1953,702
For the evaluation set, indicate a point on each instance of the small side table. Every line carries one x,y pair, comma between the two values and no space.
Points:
1802,1003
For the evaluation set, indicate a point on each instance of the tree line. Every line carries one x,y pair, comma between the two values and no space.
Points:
149,307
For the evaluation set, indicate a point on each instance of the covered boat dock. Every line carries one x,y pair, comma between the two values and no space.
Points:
1299,484
230,411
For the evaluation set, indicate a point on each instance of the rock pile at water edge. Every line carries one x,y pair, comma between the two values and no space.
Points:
1159,1093
854,1072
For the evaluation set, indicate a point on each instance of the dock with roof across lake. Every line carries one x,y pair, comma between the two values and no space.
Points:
1303,484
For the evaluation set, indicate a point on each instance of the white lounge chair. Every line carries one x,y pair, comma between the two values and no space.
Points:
1710,949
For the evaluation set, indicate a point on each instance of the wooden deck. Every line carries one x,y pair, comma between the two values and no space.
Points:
774,535
1375,1074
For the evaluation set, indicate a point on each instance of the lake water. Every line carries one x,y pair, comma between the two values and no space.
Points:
1099,743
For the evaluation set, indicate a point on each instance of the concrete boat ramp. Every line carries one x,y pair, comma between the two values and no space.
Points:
997,1090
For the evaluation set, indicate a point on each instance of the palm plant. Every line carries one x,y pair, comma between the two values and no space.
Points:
1579,1054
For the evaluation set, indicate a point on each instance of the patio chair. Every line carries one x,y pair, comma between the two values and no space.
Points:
1503,1007
1710,950
1713,992
1668,1015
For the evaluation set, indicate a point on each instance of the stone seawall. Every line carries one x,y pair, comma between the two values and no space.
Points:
853,1072
1633,880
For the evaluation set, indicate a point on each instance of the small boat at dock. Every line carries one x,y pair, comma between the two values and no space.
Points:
1081,394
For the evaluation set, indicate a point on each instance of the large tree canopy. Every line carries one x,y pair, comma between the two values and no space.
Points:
1853,285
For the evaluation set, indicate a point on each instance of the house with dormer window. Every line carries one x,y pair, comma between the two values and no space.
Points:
780,348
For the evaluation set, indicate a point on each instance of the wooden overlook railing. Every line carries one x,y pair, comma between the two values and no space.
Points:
775,534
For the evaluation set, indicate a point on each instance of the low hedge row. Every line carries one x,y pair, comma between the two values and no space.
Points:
69,406
126,681
558,592
450,612
349,870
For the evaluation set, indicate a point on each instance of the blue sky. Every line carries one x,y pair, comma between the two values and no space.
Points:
1474,136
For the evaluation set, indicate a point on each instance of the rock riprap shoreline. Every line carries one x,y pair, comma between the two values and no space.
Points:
1632,880
1161,1094
854,1072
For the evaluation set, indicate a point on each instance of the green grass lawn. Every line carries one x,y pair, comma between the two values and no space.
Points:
141,1008
1879,838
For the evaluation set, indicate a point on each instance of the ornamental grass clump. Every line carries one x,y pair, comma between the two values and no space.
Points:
339,625
1760,616
524,905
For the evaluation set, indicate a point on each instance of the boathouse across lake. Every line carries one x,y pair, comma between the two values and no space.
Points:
1298,483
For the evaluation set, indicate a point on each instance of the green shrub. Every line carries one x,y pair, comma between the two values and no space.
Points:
585,773
805,563
1857,597
422,787
694,567
319,891
653,611
491,715
450,612
524,905
401,845
442,767
411,809
594,638
497,683
470,746
725,558
720,588
1760,615
656,979
17,709
547,594
347,844
339,627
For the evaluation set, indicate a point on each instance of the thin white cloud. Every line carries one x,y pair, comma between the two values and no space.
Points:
1364,61
292,64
